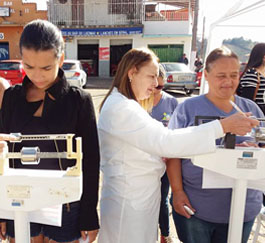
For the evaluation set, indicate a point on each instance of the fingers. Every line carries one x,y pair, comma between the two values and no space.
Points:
254,122
184,213
2,230
2,145
7,137
190,206
92,235
246,125
179,200
238,124
247,114
84,235
247,144
179,208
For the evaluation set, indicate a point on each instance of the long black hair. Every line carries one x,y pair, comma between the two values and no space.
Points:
256,57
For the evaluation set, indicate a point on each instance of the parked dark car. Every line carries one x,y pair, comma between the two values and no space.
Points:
179,77
12,70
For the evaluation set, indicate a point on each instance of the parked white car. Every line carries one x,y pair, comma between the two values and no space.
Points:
74,73
179,77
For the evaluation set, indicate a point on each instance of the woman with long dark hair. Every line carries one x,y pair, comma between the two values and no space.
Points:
252,80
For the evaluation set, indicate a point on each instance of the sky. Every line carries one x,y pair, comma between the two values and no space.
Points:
41,4
215,9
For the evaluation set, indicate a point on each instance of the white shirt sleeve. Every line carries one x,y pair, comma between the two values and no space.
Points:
127,121
219,132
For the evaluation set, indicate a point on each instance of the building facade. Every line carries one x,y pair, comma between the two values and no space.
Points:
13,16
99,32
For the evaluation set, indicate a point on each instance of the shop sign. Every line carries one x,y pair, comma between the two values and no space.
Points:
103,31
4,12
104,53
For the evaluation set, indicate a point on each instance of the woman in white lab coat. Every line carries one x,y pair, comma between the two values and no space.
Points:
132,144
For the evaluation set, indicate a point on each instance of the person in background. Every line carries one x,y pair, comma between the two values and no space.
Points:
45,103
198,64
211,206
164,106
184,59
252,80
132,145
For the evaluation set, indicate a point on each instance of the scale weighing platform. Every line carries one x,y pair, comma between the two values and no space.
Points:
26,190
246,166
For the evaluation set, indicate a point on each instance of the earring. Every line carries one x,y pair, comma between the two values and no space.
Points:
130,80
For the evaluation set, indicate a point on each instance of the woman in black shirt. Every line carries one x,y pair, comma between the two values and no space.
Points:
46,104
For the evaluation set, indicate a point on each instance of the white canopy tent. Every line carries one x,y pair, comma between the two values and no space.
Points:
243,15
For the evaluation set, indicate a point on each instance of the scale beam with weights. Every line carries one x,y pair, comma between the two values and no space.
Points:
244,165
26,190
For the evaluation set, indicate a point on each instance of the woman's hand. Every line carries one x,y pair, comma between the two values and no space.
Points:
239,123
91,234
5,137
2,145
247,144
2,230
179,200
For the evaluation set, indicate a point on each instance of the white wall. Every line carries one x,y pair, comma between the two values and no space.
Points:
71,49
118,41
96,13
167,28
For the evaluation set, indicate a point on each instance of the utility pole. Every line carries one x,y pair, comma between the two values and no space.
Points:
202,44
194,33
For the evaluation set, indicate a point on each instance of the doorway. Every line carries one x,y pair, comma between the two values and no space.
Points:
117,49
88,55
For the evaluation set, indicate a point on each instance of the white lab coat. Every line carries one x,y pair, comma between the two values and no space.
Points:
132,144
